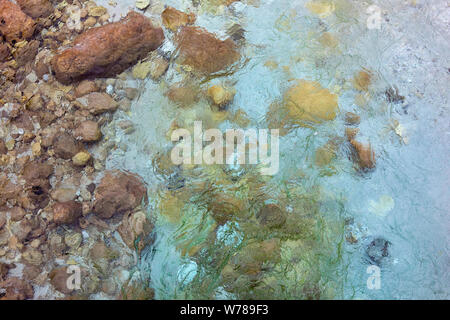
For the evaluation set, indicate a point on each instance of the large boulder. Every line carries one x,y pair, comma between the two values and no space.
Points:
205,53
118,192
15,25
109,49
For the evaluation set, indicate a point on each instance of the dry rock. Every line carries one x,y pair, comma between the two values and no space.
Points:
108,50
117,193
36,8
16,289
15,25
66,212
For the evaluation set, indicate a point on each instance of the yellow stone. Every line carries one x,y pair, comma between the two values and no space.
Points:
97,11
220,96
141,70
362,81
322,8
171,207
308,101
10,144
142,4
36,149
328,40
324,156
81,158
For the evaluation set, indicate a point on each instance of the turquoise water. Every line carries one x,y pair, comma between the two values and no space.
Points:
404,200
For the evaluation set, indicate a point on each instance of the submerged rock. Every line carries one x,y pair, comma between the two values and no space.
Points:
118,192
362,80
378,250
173,19
271,216
109,49
15,25
220,96
36,8
365,156
205,53
308,101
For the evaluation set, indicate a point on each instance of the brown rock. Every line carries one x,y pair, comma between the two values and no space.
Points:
27,53
66,212
173,19
101,102
2,219
66,146
135,226
184,96
365,156
35,170
351,133
109,49
117,193
4,51
352,118
4,269
17,213
36,8
8,190
3,149
15,25
16,289
58,279
88,131
271,216
85,87
204,52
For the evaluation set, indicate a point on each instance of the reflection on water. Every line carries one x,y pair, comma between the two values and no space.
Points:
364,119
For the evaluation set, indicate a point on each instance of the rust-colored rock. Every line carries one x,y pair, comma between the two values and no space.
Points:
109,49
117,193
66,212
36,8
173,18
15,25
365,156
100,103
88,131
16,289
204,52
85,87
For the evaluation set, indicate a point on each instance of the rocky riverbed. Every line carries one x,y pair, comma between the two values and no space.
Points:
81,184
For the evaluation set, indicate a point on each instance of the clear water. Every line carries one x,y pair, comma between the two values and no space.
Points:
405,200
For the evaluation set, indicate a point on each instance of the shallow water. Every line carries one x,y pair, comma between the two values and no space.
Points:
404,200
